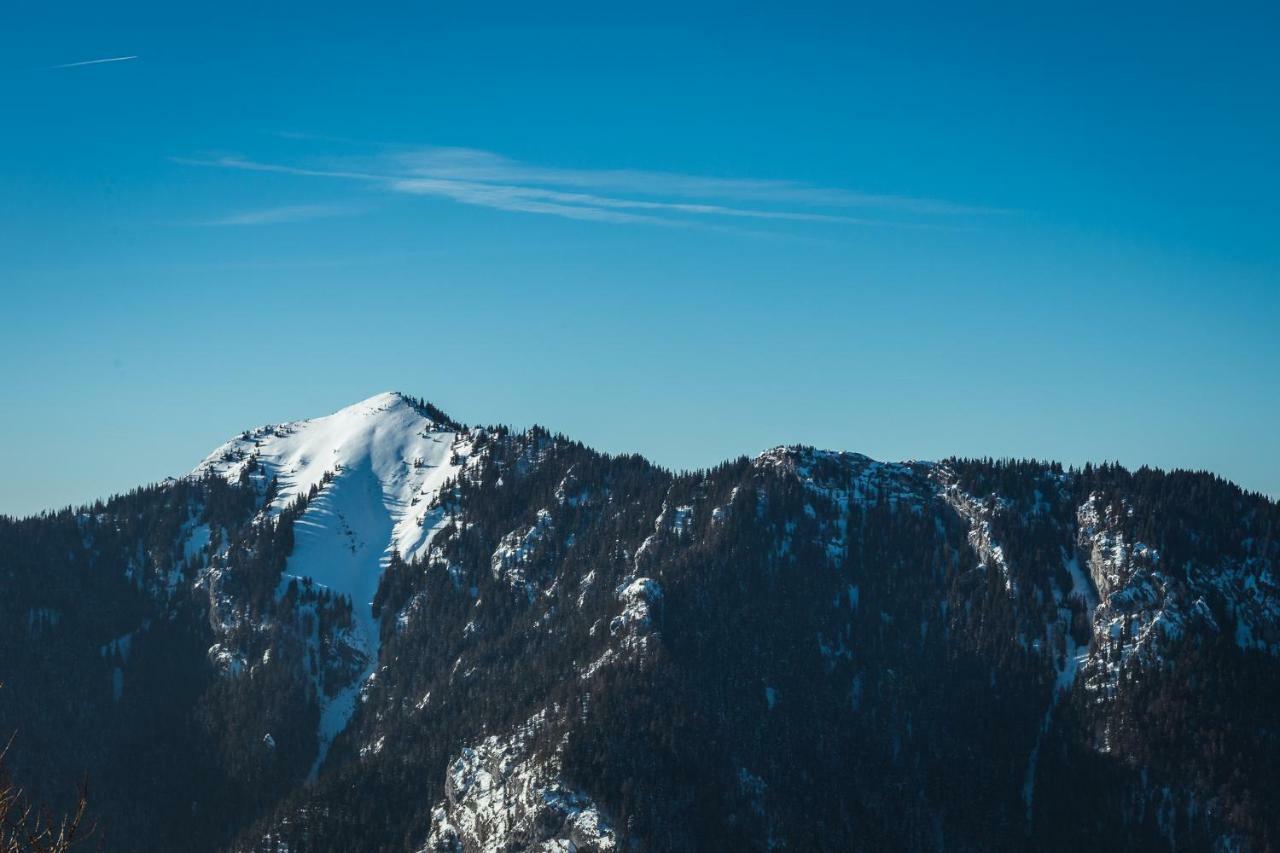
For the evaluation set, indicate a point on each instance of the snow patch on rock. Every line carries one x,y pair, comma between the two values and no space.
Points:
514,552
500,795
978,514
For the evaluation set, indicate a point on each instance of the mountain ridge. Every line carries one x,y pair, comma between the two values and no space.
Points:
384,629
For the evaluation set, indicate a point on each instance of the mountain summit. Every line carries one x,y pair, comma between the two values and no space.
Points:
384,630
384,455
372,472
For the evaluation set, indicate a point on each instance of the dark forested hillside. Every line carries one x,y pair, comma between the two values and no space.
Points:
383,630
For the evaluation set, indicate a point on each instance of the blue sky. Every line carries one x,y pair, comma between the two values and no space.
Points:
691,230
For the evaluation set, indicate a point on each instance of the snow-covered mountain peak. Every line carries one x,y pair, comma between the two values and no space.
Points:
387,447
389,433
371,473
378,401
391,401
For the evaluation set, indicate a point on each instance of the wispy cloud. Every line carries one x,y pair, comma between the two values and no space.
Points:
620,196
470,164
578,205
94,62
290,213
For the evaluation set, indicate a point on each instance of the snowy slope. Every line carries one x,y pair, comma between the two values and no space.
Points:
386,461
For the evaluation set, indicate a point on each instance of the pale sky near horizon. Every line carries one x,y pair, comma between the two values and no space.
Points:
688,230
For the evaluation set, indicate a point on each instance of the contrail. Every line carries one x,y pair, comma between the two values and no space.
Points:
95,61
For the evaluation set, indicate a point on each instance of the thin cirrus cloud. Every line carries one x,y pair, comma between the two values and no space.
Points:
469,164
288,213
620,196
94,62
